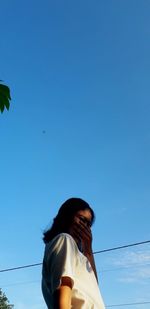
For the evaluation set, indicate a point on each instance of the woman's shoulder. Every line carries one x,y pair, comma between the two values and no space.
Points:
61,240
60,245
63,236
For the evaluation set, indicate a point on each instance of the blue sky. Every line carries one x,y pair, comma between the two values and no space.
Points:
79,125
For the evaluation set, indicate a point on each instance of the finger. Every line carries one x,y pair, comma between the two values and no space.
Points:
75,231
82,231
85,229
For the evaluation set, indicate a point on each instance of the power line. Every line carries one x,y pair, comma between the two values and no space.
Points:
128,304
122,247
20,283
100,271
117,305
121,305
96,252
19,267
124,267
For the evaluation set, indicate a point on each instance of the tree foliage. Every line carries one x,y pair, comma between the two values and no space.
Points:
4,97
4,303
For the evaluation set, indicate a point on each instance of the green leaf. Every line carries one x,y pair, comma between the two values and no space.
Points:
2,102
4,97
5,90
7,104
2,107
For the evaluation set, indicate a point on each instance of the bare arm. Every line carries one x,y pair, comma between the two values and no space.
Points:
62,296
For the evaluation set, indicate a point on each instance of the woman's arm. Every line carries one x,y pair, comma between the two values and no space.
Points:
62,295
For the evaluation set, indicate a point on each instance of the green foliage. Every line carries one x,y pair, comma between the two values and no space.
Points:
4,97
4,303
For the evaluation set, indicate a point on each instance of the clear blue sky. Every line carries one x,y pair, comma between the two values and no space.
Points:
79,125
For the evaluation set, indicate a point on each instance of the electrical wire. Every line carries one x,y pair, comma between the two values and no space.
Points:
20,283
124,267
122,247
99,271
128,304
118,305
20,267
96,252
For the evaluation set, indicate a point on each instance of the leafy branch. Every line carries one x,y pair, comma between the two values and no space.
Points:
4,97
4,302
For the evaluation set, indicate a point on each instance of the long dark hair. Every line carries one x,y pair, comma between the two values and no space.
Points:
64,218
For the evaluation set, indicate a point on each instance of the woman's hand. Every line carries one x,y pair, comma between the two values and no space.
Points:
82,235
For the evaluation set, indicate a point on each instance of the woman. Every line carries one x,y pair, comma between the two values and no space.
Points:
69,278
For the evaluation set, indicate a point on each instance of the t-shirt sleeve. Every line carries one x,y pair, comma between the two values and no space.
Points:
61,260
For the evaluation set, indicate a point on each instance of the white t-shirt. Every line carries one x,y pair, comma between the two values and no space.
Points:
63,258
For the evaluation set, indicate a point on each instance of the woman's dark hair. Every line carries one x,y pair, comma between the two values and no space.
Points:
64,218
